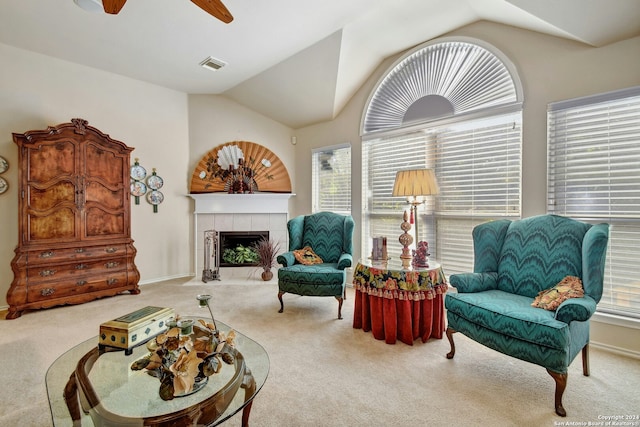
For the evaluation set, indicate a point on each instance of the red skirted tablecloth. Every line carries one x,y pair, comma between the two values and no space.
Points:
396,303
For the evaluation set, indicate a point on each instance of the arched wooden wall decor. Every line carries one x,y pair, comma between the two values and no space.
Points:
240,167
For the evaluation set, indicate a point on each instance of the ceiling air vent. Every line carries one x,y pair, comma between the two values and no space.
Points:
212,63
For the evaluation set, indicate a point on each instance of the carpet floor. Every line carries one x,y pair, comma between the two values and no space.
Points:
323,372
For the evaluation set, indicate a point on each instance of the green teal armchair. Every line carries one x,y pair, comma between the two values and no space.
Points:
330,236
514,261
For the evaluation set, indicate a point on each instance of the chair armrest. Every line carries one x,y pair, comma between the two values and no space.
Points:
579,309
474,282
287,259
346,260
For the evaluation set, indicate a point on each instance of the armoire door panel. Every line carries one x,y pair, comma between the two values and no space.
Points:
57,225
105,164
98,194
62,192
50,160
100,223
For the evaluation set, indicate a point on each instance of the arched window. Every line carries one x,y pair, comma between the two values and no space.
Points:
453,105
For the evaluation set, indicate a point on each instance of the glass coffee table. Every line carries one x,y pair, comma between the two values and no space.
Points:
91,388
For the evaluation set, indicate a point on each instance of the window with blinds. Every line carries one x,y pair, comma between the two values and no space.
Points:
455,106
382,159
594,175
331,179
477,165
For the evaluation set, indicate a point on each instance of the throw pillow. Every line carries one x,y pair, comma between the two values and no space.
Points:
550,299
306,256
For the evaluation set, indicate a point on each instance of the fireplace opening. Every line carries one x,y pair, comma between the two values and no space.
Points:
236,248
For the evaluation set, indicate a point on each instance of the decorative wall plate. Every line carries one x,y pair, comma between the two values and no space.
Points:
4,165
270,174
138,188
138,172
155,182
4,185
155,197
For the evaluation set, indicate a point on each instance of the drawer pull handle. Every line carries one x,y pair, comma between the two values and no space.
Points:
111,250
81,282
79,250
81,266
112,264
47,291
47,273
112,281
47,254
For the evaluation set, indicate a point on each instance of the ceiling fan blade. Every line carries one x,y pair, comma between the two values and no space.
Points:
215,8
113,6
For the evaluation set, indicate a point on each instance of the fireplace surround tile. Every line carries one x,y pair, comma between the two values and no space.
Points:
250,212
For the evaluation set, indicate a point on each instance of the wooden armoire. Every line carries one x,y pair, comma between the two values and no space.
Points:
74,219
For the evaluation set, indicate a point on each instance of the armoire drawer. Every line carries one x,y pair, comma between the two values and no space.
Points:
79,286
80,268
47,256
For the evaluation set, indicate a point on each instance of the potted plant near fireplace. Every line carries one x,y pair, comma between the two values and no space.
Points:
267,251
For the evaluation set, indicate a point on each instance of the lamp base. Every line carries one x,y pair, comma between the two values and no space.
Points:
406,260
405,240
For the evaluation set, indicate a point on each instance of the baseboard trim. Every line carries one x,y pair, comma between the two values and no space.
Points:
617,350
165,278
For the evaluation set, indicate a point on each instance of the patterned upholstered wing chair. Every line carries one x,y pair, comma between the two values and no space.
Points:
330,236
514,261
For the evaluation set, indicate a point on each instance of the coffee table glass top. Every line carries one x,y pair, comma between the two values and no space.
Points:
134,394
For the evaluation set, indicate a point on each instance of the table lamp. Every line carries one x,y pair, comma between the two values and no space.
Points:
415,183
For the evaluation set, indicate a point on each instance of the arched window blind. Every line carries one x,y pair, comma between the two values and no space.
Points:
464,75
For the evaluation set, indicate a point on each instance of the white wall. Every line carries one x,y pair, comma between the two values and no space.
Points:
37,91
550,69
215,120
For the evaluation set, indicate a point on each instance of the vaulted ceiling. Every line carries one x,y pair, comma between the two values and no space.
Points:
295,61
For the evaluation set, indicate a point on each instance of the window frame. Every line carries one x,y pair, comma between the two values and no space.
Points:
317,204
479,82
591,149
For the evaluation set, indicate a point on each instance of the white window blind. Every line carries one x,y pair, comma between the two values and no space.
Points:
477,166
382,158
331,179
594,175
469,76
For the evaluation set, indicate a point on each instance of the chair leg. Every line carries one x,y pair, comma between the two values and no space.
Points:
561,384
450,332
281,303
585,360
340,299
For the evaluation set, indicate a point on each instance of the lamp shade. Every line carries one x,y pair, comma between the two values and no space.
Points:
415,182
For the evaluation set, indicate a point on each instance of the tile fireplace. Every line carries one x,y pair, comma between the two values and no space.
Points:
238,215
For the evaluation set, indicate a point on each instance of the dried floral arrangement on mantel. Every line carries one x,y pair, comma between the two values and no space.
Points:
240,167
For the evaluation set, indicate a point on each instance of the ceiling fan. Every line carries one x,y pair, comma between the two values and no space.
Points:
212,7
